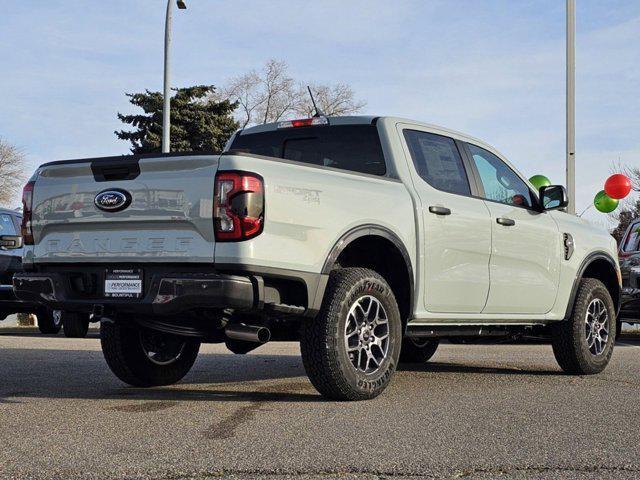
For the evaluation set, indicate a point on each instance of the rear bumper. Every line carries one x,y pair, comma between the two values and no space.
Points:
630,305
166,295
9,304
6,293
9,264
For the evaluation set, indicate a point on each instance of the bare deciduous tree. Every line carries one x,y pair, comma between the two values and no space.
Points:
333,100
271,95
12,166
245,90
279,92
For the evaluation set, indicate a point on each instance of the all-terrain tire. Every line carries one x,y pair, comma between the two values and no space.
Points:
123,350
416,350
49,321
569,337
76,325
323,345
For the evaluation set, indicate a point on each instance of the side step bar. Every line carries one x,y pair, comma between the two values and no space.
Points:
440,331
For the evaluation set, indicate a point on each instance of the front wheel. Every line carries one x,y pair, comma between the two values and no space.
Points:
144,358
583,344
49,321
350,350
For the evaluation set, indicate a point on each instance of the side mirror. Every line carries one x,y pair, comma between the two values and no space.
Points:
10,242
553,197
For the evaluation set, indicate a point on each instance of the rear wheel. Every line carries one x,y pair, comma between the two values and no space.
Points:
418,350
583,345
350,350
145,358
49,321
76,325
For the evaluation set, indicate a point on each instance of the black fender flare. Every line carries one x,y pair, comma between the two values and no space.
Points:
588,260
359,232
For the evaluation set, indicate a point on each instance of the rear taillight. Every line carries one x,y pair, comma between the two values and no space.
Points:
238,206
26,228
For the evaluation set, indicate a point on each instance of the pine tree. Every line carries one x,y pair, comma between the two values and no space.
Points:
198,124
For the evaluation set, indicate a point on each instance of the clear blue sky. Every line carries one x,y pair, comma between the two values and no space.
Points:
493,69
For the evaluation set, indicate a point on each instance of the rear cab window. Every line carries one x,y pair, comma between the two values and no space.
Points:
7,227
354,148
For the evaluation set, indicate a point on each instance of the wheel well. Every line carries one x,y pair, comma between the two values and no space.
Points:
602,270
383,256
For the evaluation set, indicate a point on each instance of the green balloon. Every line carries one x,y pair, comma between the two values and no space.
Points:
540,181
604,203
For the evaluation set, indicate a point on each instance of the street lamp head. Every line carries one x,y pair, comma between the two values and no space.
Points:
181,5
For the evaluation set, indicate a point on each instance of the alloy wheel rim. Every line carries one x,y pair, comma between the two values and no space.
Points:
366,334
161,349
597,327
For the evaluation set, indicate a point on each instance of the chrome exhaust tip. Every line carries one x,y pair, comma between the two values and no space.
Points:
248,333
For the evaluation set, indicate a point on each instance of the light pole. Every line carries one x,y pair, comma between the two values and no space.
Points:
166,107
571,105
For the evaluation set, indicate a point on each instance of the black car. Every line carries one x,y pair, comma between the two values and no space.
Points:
629,255
10,263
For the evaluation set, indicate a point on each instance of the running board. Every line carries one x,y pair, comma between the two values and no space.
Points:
439,331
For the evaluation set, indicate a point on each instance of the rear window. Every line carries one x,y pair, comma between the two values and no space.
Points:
347,147
7,227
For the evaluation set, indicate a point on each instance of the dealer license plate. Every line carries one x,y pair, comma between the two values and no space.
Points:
123,284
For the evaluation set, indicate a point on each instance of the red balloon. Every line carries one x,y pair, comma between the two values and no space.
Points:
617,186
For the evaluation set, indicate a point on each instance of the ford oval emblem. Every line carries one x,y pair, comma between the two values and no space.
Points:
112,200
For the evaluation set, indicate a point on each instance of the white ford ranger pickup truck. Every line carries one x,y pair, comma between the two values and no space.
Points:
366,239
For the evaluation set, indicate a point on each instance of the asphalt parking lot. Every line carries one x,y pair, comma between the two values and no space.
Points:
476,411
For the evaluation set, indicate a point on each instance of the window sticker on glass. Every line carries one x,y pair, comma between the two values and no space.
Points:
438,161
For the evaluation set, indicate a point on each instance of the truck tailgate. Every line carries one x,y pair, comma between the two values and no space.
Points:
169,218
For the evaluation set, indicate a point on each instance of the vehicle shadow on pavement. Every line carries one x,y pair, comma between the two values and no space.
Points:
435,367
82,374
61,373
283,392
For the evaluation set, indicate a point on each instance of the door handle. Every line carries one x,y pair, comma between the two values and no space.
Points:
439,210
507,222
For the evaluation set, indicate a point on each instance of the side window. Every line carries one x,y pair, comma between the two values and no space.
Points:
500,183
632,240
438,161
7,226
